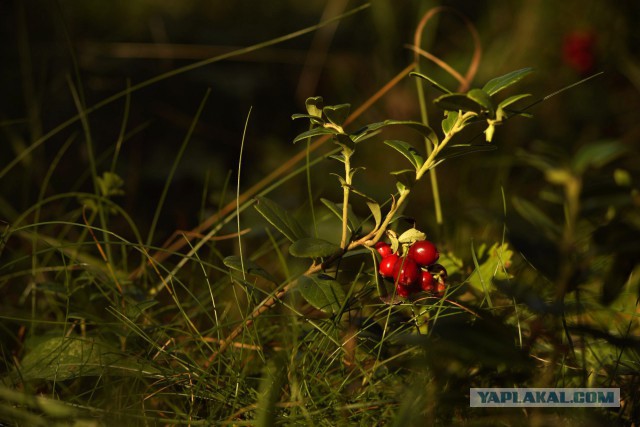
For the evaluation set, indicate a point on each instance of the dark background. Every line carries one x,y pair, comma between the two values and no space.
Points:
99,47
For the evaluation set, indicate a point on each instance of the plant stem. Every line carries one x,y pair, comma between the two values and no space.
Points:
428,165
457,127
387,220
345,198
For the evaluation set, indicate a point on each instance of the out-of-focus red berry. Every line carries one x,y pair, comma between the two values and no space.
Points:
578,51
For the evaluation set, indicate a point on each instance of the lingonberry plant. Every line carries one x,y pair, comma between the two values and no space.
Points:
408,263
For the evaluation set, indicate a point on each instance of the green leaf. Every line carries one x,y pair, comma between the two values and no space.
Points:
622,178
401,187
343,182
110,184
541,162
318,131
495,85
315,120
314,106
356,253
482,98
31,403
360,193
424,130
363,134
451,263
411,236
406,177
280,219
63,358
352,172
337,114
374,207
419,127
430,80
450,119
558,176
302,116
501,114
458,101
408,151
491,264
393,239
536,217
322,292
457,150
484,283
311,247
352,220
596,155
235,263
339,157
512,99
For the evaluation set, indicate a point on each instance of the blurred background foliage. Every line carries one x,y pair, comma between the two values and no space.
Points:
102,47
119,42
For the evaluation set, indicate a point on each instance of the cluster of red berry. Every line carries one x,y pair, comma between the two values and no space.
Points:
415,271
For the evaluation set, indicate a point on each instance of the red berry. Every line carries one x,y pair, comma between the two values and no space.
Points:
403,291
424,253
427,282
383,249
387,264
406,272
